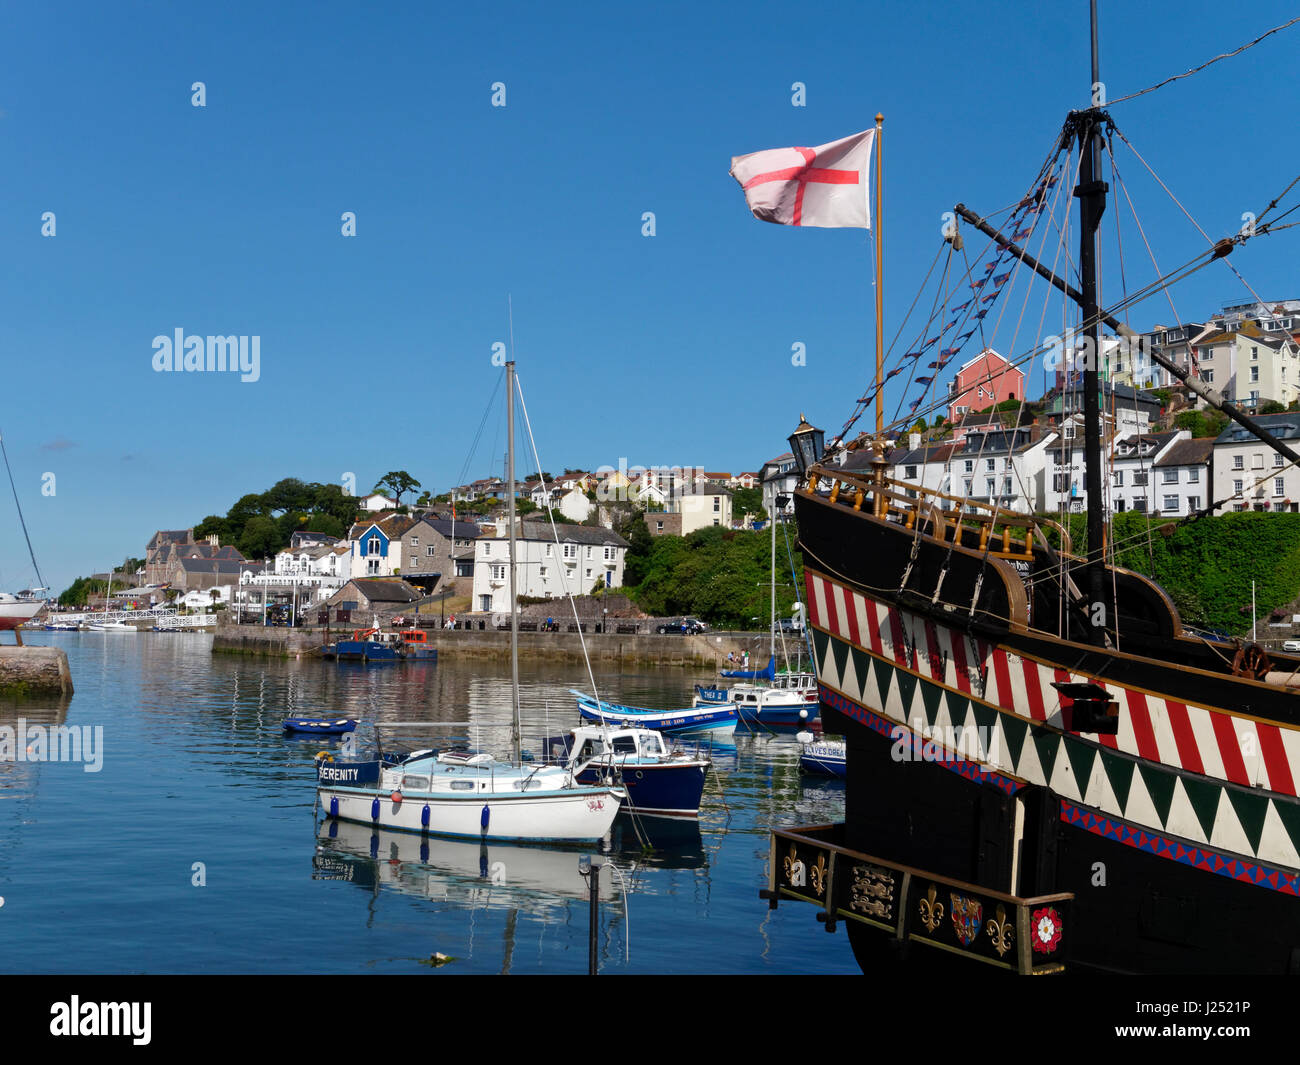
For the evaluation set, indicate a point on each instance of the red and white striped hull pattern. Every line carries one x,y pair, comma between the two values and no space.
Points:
1180,742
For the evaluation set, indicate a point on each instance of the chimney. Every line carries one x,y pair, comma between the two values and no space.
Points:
914,441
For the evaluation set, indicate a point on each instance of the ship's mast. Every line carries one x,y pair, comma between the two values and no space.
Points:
514,602
1092,204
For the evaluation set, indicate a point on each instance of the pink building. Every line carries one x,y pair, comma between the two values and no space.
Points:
985,380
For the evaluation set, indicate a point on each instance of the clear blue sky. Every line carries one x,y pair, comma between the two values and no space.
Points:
375,350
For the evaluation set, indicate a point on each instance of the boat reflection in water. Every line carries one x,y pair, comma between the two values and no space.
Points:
534,880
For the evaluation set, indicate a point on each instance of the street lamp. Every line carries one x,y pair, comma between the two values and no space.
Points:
807,444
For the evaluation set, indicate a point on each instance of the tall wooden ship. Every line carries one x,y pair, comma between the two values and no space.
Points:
1123,795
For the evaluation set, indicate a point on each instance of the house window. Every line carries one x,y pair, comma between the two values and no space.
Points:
1254,374
1171,505
372,567
717,505
1006,486
487,549
498,573
1140,479
1236,488
969,465
1169,476
372,546
969,486
1254,354
659,526
909,472
1140,504
1207,375
429,550
1194,475
1193,503
1279,508
1277,486
990,464
589,552
1119,506
1068,433
415,541
589,571
1238,462
541,572
609,554
1238,507
1060,482
570,550
1277,459
415,562
992,485
1119,478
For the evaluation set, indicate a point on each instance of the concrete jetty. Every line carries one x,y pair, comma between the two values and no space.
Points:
34,671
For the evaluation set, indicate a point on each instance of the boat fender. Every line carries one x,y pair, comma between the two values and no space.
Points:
334,806
424,816
397,798
374,810
424,850
485,818
803,715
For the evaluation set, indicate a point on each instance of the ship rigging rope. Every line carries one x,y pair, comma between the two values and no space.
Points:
1208,62
21,520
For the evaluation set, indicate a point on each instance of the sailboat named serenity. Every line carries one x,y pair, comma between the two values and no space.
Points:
472,794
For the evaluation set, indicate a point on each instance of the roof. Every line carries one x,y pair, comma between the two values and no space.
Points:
1188,452
443,526
382,590
994,354
919,456
1284,426
1156,440
393,526
169,536
220,566
578,534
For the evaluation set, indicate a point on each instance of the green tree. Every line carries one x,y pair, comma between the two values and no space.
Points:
747,501
261,538
398,482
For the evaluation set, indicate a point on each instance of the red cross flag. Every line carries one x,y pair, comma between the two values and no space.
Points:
824,186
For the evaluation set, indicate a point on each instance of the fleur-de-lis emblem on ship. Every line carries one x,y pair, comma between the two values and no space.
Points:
795,871
819,875
931,911
1001,932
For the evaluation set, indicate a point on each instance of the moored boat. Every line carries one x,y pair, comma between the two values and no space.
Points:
659,779
714,719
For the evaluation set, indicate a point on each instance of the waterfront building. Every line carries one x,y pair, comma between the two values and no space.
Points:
1252,475
584,554
377,546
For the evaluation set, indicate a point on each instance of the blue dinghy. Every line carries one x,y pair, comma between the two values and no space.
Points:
320,726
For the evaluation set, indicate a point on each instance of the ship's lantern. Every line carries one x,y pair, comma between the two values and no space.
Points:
806,443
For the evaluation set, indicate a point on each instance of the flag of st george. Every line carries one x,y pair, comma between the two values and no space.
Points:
824,186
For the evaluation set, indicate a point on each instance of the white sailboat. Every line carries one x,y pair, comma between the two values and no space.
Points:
471,794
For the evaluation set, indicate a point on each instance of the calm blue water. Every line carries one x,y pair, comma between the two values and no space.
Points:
97,870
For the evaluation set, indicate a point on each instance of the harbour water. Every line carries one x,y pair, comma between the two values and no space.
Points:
195,846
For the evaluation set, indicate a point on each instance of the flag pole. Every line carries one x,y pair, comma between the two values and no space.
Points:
880,280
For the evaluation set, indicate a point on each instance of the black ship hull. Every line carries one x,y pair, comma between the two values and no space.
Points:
1179,836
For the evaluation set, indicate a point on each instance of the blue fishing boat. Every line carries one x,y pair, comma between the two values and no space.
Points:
717,719
320,726
658,779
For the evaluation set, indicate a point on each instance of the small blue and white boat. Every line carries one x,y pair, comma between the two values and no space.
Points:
716,719
658,779
821,757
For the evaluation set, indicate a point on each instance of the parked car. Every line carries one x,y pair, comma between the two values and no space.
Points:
686,627
790,626
1291,645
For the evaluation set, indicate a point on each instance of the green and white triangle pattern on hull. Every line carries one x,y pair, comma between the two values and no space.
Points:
1143,793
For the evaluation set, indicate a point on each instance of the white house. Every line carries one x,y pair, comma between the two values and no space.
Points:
1254,475
378,502
1014,469
1182,476
545,569
1134,480
575,505
377,546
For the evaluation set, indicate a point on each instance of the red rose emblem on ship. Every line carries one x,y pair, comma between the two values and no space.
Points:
1045,930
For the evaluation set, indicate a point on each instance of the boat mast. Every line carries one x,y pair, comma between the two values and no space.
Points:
1092,204
772,634
514,602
